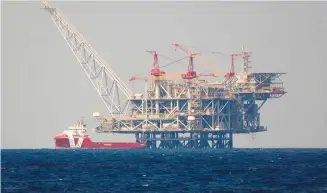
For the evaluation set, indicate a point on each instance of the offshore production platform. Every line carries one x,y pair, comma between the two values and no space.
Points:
187,112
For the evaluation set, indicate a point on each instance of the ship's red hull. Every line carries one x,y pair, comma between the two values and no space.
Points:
62,141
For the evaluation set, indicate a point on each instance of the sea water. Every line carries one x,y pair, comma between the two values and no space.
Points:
150,170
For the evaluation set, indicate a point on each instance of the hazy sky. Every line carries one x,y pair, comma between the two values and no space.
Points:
44,89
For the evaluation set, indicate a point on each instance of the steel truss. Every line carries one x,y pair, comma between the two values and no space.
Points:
191,106
113,92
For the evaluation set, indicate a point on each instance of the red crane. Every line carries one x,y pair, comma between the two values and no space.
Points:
155,71
231,72
244,55
190,73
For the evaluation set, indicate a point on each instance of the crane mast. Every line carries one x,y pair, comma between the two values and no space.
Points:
155,71
231,72
190,72
108,85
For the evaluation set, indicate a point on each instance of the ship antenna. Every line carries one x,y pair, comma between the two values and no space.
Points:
82,122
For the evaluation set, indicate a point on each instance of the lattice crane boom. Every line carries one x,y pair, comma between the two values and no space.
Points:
103,78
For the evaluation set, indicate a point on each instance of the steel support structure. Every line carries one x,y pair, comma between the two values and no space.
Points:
184,139
196,108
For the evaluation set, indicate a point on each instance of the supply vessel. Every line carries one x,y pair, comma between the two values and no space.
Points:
77,136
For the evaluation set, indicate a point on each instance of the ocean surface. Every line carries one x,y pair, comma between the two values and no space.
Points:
145,170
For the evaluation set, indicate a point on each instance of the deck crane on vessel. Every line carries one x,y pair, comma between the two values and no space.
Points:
106,82
191,74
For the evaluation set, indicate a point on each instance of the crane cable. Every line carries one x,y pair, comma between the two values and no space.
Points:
208,51
209,65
